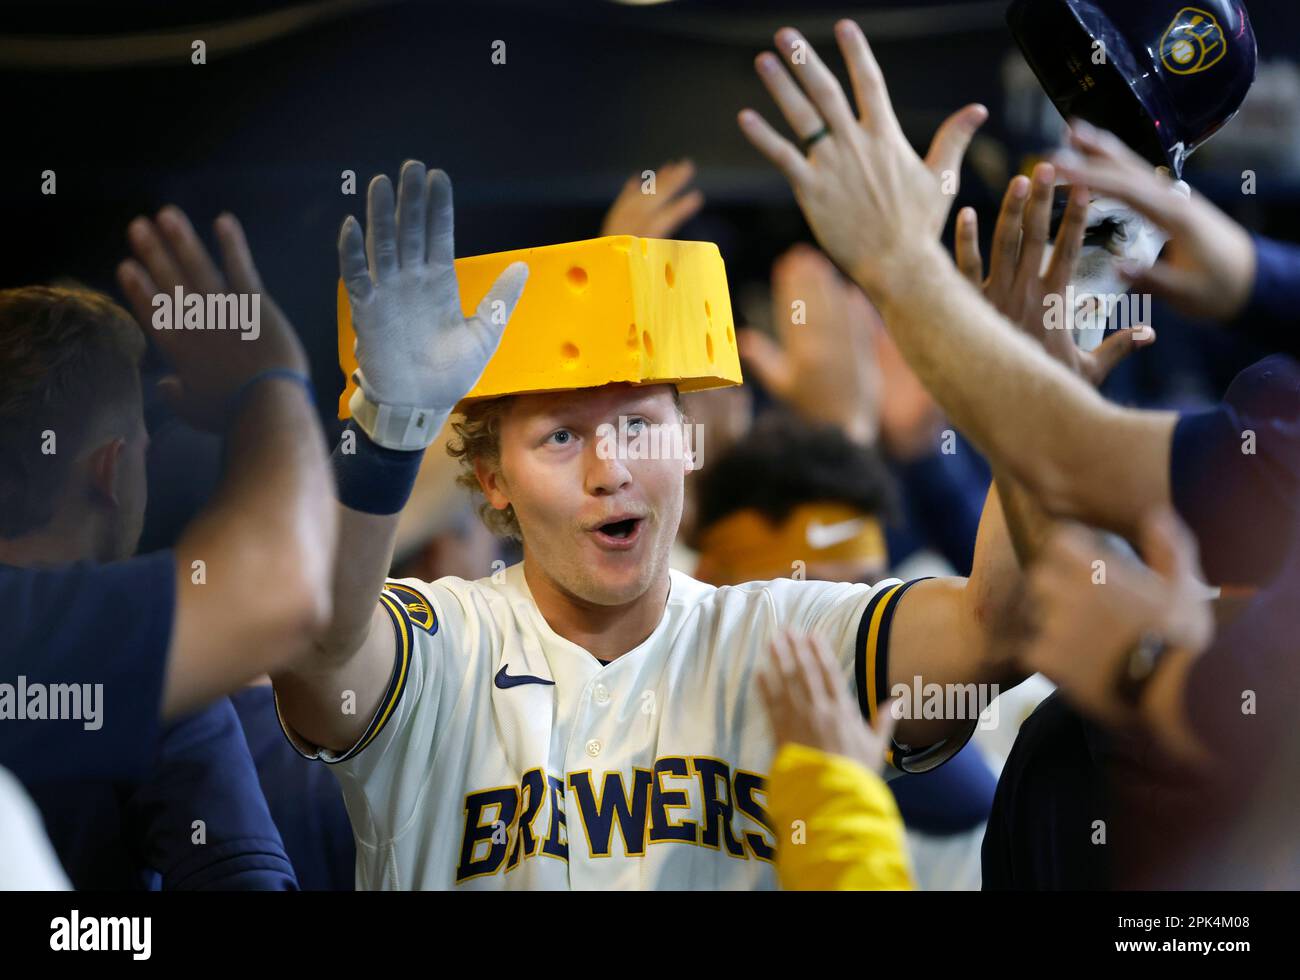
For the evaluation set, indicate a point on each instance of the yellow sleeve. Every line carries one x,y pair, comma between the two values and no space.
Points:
837,825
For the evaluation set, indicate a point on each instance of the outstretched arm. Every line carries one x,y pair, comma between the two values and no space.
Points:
979,630
877,208
418,355
266,542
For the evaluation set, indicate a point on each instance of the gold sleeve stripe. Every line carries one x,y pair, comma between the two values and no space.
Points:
873,642
405,643
868,641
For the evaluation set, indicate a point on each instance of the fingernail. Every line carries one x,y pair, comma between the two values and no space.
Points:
1020,187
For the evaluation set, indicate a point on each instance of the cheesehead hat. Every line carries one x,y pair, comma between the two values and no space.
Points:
617,309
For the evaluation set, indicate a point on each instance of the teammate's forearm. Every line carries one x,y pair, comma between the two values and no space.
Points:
264,548
1045,426
1027,523
277,473
993,594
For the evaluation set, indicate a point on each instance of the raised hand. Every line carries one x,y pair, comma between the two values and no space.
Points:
871,201
211,364
1208,266
809,703
657,215
823,365
418,355
1018,284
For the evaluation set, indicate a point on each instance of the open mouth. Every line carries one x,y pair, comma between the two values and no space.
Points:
618,535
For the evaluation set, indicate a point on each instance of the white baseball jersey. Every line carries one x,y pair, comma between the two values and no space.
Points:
505,756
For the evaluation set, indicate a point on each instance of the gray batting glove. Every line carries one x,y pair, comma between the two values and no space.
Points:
417,353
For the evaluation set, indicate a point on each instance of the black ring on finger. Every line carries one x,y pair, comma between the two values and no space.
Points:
811,141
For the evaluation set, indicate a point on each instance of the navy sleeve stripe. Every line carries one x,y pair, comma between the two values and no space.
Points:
405,637
405,646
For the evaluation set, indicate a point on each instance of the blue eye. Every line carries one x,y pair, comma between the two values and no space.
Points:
638,422
560,437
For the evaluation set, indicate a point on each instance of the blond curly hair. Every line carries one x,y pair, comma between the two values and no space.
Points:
478,438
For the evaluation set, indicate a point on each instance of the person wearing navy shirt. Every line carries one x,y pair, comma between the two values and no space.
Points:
196,820
305,800
1234,478
99,649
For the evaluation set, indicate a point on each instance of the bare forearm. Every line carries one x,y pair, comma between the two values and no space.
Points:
1035,419
992,596
278,475
366,550
264,547
274,503
1027,523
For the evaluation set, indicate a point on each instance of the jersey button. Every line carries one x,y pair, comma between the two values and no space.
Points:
600,693
593,747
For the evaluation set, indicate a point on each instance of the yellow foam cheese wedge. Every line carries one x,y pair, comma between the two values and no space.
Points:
618,309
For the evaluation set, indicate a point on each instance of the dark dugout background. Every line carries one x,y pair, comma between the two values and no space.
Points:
592,91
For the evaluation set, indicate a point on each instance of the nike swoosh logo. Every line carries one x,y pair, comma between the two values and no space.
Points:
504,680
825,535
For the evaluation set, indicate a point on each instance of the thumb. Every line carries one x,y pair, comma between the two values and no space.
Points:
1116,348
1168,546
767,359
953,137
497,306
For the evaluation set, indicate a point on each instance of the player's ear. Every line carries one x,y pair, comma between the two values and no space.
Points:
106,470
492,483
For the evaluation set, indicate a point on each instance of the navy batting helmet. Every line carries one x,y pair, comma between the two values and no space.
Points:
1163,75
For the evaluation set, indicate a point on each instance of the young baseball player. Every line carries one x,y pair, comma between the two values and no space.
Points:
586,718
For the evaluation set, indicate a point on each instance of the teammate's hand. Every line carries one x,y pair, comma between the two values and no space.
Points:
1017,285
1087,625
1208,266
824,364
871,201
211,364
415,348
657,215
809,703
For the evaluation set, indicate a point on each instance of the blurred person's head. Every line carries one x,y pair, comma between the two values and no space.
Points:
586,479
462,547
792,498
72,432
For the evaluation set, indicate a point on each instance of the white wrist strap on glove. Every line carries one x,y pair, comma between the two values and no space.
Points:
402,427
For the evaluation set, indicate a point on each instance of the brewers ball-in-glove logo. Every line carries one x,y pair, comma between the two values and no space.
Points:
1194,42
